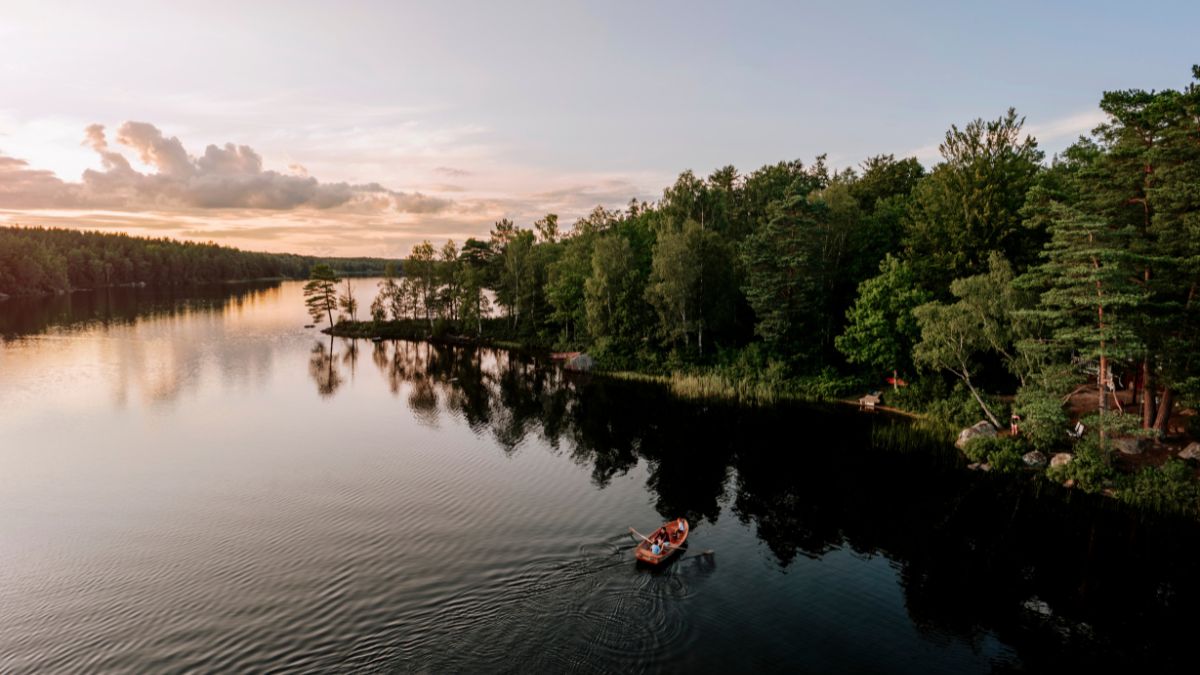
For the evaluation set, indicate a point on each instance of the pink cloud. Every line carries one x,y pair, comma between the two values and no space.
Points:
225,177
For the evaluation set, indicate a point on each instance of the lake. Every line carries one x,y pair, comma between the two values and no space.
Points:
197,482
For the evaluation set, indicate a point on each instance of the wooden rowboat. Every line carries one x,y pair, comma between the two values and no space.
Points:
644,551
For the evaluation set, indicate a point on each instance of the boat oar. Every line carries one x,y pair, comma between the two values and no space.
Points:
639,534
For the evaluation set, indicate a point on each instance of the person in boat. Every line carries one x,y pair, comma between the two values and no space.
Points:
655,548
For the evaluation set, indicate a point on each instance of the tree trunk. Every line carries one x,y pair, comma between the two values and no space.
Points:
1102,373
1164,411
992,418
1147,394
1102,388
966,378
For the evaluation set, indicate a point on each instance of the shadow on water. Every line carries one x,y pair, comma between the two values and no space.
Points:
1065,579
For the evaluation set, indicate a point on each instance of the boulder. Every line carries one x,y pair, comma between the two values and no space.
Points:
979,429
1035,459
1038,606
1061,459
1129,445
1192,451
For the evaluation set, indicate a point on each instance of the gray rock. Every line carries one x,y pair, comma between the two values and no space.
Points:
1129,445
1038,606
1192,451
1035,458
979,429
1061,459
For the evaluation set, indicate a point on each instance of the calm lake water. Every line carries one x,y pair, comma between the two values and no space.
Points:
199,483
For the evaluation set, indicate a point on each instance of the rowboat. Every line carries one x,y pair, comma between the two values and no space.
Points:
676,537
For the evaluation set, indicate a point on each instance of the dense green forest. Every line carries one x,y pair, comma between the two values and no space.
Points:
35,260
997,282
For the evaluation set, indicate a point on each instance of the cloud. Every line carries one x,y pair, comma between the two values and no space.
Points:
21,186
149,183
451,171
165,154
1070,127
222,177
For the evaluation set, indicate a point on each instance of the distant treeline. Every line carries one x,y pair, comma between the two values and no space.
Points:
36,260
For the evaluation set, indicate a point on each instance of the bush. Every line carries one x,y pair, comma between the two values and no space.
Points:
1087,468
919,393
1192,426
960,408
614,354
1004,449
828,385
1170,488
1044,421
442,328
1007,460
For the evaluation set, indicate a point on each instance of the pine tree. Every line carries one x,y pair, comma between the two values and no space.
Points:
783,264
320,293
1089,294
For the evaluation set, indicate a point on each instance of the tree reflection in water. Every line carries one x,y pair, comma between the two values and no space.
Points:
975,552
323,368
126,306
350,354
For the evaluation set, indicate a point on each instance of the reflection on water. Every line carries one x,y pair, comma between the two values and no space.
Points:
205,484
324,369
123,306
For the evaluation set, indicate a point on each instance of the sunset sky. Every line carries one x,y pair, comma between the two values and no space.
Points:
360,128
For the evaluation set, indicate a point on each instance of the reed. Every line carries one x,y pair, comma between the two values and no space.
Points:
919,435
716,387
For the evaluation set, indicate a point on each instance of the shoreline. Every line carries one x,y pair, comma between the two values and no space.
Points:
710,384
142,285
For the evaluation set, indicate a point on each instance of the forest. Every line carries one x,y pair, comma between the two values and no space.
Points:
998,282
36,261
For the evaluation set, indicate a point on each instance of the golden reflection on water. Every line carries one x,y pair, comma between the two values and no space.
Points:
132,350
